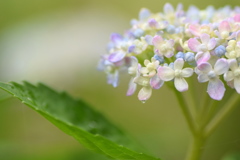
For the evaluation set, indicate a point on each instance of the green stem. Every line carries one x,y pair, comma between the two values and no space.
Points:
204,109
208,116
196,149
186,112
222,114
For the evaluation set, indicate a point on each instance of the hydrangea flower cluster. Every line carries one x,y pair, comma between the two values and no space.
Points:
174,45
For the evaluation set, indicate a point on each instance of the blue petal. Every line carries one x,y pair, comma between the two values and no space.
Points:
144,14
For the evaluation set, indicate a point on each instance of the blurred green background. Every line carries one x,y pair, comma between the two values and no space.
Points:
59,42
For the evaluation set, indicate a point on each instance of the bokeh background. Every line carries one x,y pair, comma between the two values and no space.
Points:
59,42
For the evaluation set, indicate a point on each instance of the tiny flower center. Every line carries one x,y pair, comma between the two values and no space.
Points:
164,48
178,73
232,54
232,43
237,73
204,30
150,66
224,34
212,75
230,48
203,48
145,82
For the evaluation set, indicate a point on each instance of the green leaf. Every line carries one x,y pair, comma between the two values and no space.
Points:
77,119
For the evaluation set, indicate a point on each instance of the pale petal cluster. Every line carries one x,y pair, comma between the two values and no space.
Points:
171,46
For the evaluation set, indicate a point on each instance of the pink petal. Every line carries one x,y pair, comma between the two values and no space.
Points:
238,36
156,40
145,93
193,44
156,82
216,89
237,84
237,18
211,44
194,29
204,38
180,84
221,66
178,64
116,56
224,27
202,57
166,73
169,54
131,87
204,67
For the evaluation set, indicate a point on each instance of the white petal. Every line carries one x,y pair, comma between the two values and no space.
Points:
131,87
166,73
221,66
180,84
145,93
230,84
237,84
156,82
233,64
144,70
168,8
203,78
228,76
169,54
197,71
211,44
178,64
134,61
216,89
204,38
187,72
146,62
142,81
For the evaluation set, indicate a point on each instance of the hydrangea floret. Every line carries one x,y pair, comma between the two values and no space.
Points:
176,44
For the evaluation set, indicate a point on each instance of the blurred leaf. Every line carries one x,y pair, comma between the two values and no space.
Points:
77,119
232,156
